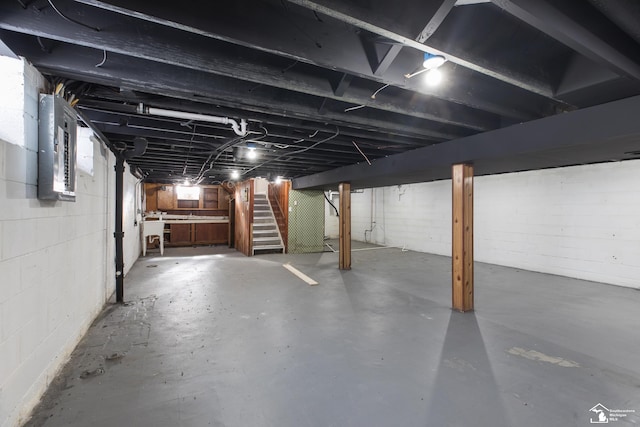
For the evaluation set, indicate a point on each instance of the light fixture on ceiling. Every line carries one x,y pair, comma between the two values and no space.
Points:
235,174
433,77
278,180
433,61
187,182
430,65
252,154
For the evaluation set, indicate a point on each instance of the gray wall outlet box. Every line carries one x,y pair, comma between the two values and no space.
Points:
57,133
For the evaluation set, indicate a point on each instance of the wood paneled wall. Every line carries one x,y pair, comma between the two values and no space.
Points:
244,216
214,200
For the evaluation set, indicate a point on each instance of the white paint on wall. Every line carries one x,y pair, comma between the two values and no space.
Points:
260,186
56,263
20,87
581,221
132,244
85,150
331,225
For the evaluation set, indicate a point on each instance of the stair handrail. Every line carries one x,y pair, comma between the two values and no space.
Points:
271,192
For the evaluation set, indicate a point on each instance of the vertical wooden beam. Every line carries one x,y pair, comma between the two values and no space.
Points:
462,241
344,254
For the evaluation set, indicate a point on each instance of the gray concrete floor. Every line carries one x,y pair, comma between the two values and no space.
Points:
210,337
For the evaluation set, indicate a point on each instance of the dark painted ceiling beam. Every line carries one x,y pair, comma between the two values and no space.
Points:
169,46
435,21
432,25
377,24
385,139
380,61
79,63
342,84
388,57
196,146
604,48
296,34
602,133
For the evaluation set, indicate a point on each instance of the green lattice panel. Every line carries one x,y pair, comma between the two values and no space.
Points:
306,221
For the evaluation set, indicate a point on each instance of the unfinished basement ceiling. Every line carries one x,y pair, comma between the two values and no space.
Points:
321,84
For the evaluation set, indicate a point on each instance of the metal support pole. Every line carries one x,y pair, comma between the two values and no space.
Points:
119,233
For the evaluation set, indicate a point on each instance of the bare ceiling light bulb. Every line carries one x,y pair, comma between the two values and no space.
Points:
186,182
252,153
433,61
235,175
278,180
433,77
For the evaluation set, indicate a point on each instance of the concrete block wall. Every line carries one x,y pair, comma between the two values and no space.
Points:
56,258
581,221
397,212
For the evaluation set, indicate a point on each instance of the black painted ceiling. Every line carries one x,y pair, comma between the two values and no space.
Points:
321,83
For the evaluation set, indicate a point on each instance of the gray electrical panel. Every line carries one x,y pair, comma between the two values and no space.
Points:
56,149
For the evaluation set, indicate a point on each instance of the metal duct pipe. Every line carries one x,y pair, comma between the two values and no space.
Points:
239,129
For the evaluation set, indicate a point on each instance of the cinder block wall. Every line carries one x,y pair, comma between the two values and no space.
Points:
56,258
581,221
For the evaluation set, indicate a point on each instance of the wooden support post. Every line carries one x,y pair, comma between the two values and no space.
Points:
345,226
462,241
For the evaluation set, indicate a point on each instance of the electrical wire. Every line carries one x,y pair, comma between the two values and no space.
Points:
363,155
42,46
295,152
290,66
408,76
70,19
373,96
193,134
346,110
379,90
104,59
331,203
229,144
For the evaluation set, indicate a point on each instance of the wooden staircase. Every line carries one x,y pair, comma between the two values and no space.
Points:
266,236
